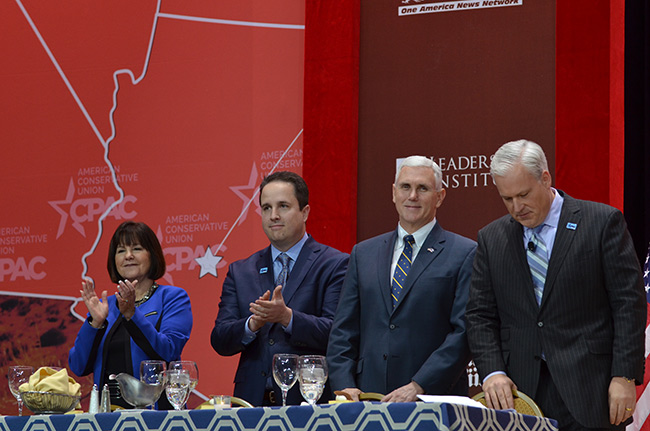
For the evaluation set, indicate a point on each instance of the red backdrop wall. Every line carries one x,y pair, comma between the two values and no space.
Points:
172,111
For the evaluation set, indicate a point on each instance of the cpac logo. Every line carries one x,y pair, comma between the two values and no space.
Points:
20,268
187,258
87,210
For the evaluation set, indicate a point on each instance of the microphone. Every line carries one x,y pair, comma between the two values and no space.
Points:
531,246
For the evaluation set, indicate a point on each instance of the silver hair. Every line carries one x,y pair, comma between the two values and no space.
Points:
421,161
528,153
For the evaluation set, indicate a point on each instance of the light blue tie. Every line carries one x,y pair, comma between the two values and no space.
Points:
284,273
537,256
402,268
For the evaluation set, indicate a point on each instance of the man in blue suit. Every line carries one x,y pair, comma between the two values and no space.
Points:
297,316
400,326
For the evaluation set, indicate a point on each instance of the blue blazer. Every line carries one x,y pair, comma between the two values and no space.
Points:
376,348
159,329
312,292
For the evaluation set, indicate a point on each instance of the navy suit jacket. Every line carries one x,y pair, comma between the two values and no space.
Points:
376,348
312,292
590,325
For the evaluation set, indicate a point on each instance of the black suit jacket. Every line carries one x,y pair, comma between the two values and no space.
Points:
590,324
376,348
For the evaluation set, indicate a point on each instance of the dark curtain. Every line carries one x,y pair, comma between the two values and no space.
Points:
637,122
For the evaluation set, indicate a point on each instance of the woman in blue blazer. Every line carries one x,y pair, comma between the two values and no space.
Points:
142,320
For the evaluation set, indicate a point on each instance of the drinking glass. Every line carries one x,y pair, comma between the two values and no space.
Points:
285,372
177,387
191,368
151,373
312,375
18,374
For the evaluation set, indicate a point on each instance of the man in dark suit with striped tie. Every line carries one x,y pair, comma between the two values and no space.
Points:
400,328
557,308
282,298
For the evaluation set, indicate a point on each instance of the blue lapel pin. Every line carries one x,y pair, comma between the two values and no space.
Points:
264,270
571,226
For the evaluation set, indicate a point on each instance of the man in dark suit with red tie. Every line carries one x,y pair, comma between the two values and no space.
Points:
282,298
557,308
400,326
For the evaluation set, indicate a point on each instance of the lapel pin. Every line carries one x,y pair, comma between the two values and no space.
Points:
571,226
430,250
264,270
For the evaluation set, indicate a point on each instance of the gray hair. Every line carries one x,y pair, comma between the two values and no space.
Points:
425,162
528,153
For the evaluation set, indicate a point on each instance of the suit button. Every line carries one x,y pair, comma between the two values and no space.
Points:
540,324
271,341
392,326
385,356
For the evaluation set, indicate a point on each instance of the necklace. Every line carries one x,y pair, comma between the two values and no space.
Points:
147,295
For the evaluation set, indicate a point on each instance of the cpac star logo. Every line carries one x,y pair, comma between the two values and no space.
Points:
62,213
249,198
187,257
208,263
87,210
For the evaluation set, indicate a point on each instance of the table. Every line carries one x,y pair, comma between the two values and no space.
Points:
340,417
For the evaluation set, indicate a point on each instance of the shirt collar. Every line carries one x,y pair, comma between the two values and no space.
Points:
293,252
420,235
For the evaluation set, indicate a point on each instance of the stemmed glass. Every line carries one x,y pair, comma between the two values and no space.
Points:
177,387
191,368
285,372
312,375
19,374
151,373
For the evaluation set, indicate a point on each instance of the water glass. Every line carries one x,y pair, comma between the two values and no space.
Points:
19,374
312,376
151,373
285,372
177,387
190,367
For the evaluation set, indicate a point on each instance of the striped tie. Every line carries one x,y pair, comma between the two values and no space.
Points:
284,273
538,262
402,268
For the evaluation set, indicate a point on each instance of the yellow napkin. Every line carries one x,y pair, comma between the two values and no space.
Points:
46,379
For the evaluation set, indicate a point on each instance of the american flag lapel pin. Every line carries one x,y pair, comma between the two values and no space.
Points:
431,250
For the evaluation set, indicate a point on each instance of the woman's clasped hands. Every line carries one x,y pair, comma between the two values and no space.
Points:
98,308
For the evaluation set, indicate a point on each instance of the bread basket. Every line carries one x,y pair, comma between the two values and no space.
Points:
49,402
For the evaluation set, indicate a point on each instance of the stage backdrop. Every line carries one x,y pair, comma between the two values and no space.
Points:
168,113
451,80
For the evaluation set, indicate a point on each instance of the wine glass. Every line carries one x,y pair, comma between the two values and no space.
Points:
177,387
312,375
285,372
19,374
151,373
191,368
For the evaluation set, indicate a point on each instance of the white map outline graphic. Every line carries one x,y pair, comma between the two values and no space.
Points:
106,142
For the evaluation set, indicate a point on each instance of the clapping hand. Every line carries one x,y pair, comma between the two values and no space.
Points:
267,310
126,297
98,308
